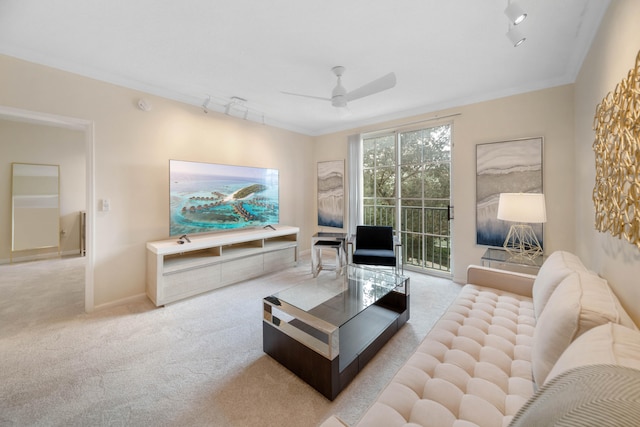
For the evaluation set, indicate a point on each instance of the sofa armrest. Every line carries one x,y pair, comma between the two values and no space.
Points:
508,281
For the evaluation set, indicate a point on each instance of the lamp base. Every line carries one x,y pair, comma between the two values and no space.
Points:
522,243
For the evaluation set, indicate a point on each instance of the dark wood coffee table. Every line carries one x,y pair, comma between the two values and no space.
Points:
326,329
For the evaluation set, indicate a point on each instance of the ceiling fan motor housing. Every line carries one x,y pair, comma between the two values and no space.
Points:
339,93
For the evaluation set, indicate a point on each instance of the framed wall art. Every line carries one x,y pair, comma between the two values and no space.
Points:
331,194
505,167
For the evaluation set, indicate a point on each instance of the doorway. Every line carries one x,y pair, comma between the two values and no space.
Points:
86,127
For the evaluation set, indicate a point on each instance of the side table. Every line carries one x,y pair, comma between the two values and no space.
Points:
500,258
326,240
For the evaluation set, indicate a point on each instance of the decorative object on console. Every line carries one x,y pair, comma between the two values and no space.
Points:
331,194
616,194
523,209
208,197
505,167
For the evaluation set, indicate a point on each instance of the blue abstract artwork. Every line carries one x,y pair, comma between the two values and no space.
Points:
331,194
505,167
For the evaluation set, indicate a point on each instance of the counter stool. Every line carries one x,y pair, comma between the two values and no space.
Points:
316,257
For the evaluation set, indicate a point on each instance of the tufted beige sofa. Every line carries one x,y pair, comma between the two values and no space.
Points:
506,335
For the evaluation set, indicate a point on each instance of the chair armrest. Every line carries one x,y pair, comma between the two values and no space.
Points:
509,281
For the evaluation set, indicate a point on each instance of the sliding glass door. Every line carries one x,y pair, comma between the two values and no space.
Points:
407,185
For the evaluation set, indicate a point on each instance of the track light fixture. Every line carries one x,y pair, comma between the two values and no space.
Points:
515,36
515,13
205,105
234,107
239,104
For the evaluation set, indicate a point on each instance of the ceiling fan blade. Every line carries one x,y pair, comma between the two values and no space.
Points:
306,96
383,83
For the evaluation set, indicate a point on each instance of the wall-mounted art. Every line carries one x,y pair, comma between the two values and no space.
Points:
616,194
505,167
331,194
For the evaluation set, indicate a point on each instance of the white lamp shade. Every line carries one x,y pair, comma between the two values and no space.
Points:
522,207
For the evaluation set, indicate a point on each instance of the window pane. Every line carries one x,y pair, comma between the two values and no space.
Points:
369,153
438,144
386,212
412,216
385,151
385,182
411,182
437,181
368,183
411,147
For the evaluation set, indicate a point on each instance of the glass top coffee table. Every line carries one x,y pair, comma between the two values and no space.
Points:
327,328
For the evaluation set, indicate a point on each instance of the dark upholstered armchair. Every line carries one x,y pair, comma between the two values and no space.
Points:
374,246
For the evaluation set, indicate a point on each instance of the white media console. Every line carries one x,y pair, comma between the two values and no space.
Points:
176,271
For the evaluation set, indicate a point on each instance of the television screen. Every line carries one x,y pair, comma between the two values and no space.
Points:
208,197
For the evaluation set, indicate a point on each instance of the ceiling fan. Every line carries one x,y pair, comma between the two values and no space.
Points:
340,96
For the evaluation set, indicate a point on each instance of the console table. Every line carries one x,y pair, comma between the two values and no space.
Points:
176,271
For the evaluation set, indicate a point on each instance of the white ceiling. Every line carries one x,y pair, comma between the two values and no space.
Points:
445,53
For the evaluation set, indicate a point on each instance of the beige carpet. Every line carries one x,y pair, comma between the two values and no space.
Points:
198,362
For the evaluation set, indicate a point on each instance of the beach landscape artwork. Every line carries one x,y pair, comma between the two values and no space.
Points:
331,194
209,197
505,167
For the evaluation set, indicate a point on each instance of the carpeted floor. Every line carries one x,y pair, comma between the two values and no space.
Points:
198,362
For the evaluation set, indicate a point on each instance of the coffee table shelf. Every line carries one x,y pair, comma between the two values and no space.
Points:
326,329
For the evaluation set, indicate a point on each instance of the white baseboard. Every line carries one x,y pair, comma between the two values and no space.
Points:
39,257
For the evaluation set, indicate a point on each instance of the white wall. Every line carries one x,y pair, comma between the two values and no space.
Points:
612,55
23,142
547,113
132,149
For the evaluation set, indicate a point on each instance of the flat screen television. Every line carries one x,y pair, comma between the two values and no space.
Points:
208,197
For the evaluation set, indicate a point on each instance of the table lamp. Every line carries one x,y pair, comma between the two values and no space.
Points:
523,209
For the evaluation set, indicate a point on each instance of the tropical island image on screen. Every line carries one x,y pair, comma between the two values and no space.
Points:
209,197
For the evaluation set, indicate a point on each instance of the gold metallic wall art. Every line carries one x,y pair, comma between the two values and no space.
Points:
616,194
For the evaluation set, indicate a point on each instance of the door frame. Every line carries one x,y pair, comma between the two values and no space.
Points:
86,126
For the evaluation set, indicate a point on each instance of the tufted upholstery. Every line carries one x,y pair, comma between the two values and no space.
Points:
472,369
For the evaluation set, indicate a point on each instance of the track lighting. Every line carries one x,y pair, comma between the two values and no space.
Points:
515,13
205,105
234,107
237,103
515,37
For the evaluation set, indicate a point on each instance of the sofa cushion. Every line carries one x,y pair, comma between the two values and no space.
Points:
472,369
606,344
581,302
553,271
